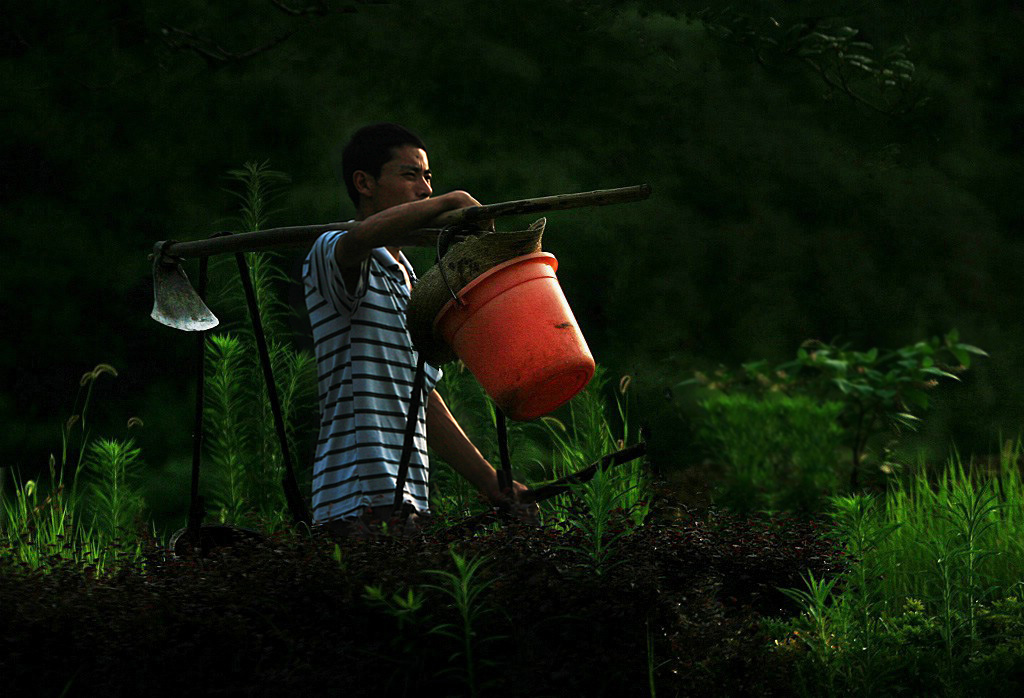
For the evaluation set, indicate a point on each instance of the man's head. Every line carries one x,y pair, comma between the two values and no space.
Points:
385,165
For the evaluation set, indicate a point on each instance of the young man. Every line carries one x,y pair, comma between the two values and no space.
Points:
357,288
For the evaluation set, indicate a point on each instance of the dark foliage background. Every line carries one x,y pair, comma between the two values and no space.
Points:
784,208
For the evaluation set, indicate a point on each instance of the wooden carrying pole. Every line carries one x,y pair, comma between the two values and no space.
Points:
303,235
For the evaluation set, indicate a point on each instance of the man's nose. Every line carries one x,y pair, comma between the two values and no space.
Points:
425,189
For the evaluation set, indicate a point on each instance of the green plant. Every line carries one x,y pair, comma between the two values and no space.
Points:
465,587
114,495
403,608
52,529
820,629
929,595
780,452
241,437
451,495
600,521
973,513
589,434
407,654
885,81
605,509
228,440
880,390
861,532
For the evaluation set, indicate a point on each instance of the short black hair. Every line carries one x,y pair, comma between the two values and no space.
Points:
370,147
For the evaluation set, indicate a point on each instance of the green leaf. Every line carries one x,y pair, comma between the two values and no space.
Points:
917,397
934,371
961,355
837,366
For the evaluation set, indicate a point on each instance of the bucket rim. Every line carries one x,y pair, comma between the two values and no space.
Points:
545,257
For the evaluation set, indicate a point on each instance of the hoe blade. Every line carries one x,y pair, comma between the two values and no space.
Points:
175,303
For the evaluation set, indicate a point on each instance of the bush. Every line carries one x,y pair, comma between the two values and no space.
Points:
779,452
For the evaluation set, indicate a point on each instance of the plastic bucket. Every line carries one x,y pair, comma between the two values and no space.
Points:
517,335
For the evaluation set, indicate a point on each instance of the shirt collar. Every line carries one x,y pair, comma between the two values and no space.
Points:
385,259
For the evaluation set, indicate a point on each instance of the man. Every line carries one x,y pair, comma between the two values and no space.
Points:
357,288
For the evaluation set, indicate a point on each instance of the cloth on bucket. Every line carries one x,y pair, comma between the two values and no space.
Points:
463,262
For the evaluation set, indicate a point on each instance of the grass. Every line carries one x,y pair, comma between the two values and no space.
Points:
59,521
930,582
926,598
933,568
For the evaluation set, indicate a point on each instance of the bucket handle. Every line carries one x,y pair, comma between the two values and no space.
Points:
444,240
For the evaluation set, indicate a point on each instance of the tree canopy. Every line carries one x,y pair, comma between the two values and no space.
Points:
820,170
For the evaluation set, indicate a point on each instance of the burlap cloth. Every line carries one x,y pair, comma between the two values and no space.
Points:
463,262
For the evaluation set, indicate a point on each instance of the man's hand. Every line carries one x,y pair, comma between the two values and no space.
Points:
465,200
513,502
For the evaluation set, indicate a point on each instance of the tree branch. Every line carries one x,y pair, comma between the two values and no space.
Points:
318,8
213,53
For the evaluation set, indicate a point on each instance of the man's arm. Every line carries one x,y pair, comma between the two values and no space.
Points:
390,227
447,438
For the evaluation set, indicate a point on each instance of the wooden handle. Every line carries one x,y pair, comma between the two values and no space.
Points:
302,235
558,202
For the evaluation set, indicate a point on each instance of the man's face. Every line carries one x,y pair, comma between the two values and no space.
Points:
403,178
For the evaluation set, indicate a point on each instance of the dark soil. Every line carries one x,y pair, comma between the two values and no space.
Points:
285,618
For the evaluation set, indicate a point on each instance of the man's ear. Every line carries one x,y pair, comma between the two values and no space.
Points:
365,183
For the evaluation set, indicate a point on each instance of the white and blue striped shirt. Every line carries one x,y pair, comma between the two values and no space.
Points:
365,366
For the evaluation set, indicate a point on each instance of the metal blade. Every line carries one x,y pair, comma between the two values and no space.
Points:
175,303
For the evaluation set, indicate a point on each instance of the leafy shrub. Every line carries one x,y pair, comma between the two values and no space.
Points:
880,391
779,452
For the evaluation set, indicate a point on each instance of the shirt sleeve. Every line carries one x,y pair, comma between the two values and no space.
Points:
325,275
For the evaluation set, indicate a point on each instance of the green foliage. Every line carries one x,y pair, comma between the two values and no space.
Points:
241,437
90,527
227,439
406,642
588,433
885,81
790,216
780,452
452,496
598,514
604,509
881,392
403,608
929,601
114,496
464,588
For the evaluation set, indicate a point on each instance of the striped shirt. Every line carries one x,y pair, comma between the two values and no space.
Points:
365,366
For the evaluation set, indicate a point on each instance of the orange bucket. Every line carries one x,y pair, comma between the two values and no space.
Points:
517,335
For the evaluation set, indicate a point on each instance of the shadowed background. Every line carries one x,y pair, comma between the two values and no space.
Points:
789,202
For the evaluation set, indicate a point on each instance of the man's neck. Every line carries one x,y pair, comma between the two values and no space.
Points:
365,212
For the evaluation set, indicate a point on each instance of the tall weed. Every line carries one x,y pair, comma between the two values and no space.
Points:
70,523
242,442
930,587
